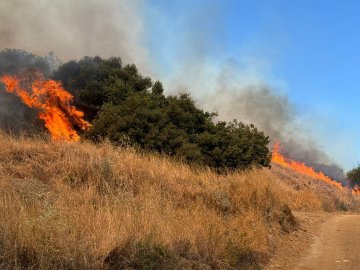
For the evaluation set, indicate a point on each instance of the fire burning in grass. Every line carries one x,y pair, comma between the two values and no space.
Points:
300,167
61,119
64,120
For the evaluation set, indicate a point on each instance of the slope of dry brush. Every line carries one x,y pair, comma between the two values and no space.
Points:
84,206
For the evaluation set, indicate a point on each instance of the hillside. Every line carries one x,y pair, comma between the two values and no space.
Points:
67,205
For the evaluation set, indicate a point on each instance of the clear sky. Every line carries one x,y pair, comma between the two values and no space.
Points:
308,50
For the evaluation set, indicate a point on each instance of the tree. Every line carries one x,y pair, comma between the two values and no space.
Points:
13,61
354,174
94,81
124,106
234,145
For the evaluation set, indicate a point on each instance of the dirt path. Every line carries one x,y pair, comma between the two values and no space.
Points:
336,246
323,241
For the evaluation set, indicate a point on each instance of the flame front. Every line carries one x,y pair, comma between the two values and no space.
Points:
355,190
300,167
53,101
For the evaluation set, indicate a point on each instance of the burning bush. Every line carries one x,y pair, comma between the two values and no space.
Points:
14,114
51,99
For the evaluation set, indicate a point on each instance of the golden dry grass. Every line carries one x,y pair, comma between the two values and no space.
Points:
84,206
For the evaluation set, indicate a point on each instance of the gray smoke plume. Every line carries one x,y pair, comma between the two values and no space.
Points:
277,116
70,29
257,103
73,29
14,114
237,87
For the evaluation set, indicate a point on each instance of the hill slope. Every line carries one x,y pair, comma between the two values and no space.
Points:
84,206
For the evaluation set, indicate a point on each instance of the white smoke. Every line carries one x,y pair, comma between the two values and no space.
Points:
187,54
73,29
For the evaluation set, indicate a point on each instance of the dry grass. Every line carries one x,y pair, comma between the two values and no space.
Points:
308,194
82,206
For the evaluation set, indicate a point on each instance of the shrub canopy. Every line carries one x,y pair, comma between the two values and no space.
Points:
126,107
354,174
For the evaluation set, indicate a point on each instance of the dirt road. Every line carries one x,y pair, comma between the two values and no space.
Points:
335,246
323,242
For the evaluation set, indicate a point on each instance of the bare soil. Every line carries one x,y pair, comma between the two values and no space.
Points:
322,241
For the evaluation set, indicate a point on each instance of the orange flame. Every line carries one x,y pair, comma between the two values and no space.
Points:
277,157
54,102
355,190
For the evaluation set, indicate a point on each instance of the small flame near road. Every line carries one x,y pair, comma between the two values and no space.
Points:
300,167
61,119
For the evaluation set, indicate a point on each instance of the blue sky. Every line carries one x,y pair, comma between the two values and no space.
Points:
307,50
312,45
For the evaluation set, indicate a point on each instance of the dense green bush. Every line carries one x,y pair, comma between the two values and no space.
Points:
354,174
95,81
125,107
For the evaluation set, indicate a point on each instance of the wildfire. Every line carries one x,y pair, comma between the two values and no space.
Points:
355,190
52,99
300,167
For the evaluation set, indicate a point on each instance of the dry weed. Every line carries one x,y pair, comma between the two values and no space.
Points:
84,206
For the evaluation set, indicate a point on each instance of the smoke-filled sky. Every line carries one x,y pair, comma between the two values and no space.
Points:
289,67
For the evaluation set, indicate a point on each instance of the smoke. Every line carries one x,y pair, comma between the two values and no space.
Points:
237,86
278,117
14,114
247,97
70,29
238,90
73,29
190,56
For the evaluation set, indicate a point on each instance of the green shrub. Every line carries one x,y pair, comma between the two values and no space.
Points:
146,255
341,205
354,174
125,107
